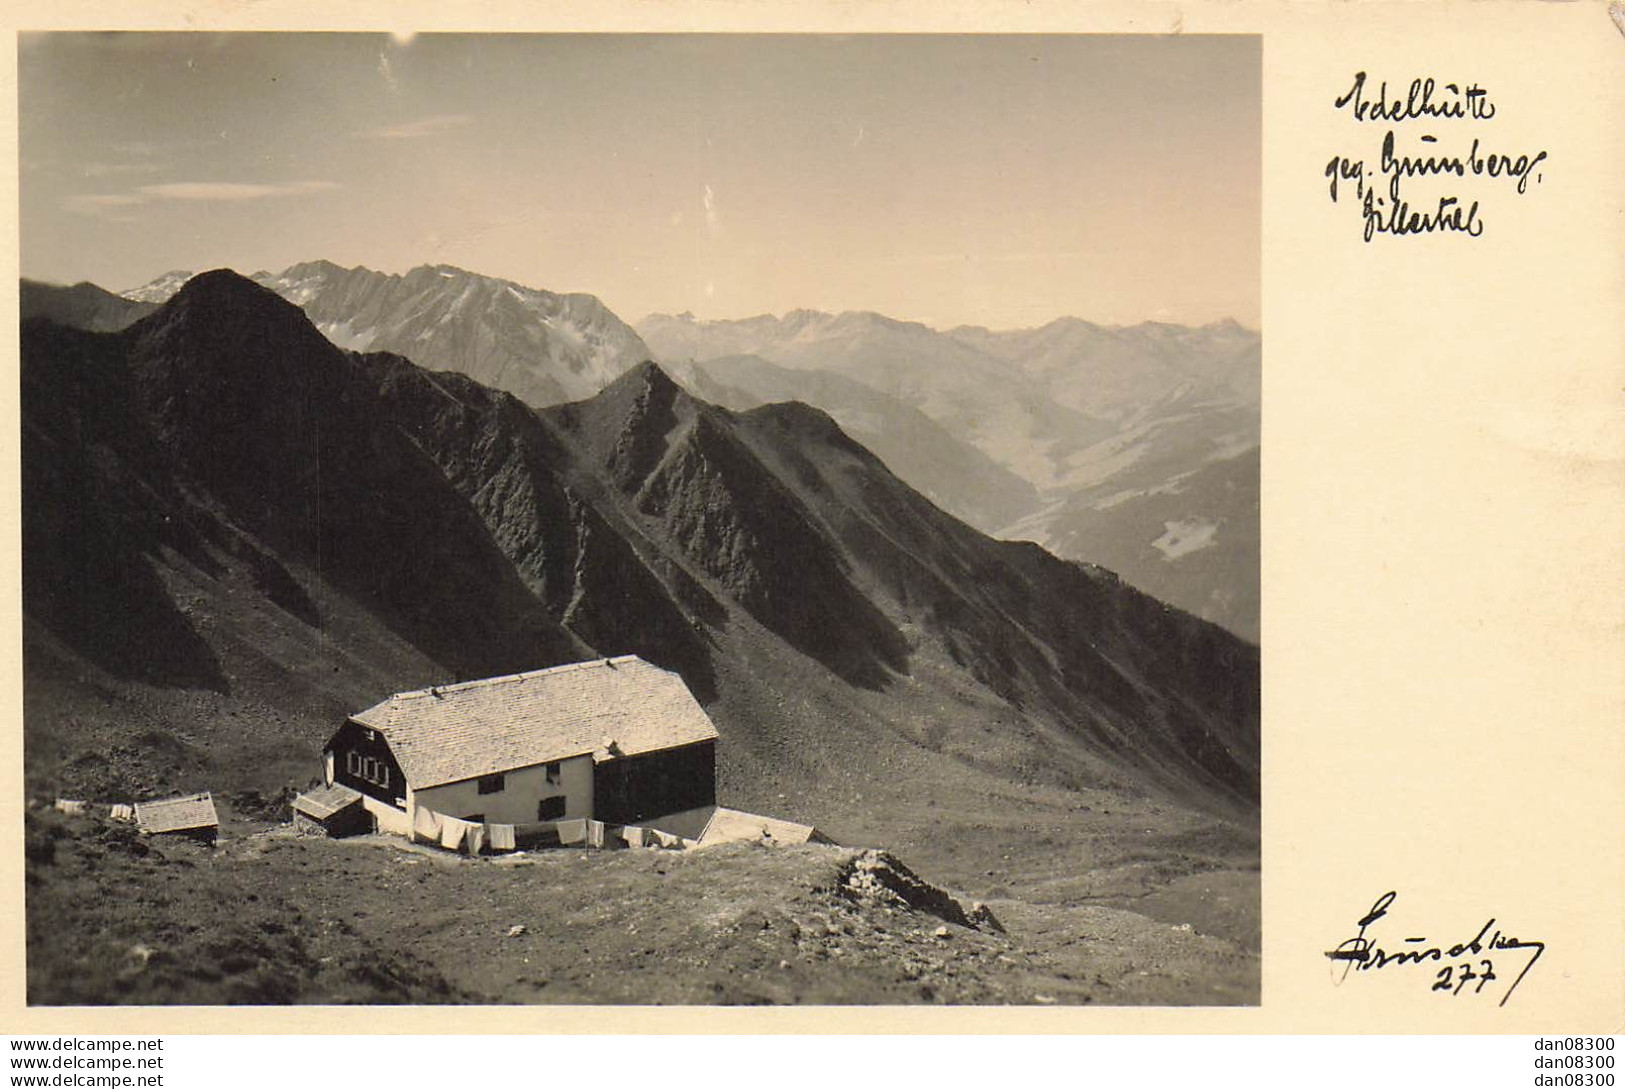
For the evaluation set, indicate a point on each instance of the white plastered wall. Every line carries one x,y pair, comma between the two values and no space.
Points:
517,801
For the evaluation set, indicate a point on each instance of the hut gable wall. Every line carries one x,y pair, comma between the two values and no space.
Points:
361,760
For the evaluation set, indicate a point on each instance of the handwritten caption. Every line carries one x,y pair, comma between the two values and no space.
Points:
1454,967
1424,139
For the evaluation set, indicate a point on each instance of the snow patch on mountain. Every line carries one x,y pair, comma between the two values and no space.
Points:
345,336
159,290
1184,537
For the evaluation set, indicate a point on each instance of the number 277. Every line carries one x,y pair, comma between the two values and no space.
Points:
1454,977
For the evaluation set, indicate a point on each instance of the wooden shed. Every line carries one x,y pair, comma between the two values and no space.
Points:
710,825
333,810
190,815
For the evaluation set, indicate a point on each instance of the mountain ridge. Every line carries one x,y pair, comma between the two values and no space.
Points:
83,305
802,314
1033,433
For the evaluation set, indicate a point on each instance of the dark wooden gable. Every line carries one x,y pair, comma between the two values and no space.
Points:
362,761
630,789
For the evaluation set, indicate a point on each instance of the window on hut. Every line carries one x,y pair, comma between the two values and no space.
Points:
553,772
550,809
493,784
369,768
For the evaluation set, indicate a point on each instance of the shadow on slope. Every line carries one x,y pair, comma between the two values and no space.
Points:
681,466
1153,687
507,462
93,525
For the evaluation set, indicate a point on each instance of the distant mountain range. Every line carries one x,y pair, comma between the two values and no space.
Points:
542,347
1084,421
977,397
235,532
1127,367
1072,434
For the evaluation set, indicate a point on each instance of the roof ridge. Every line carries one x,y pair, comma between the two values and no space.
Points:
510,678
478,727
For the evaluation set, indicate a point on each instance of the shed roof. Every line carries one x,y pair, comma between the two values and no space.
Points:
324,803
730,825
183,814
690,823
461,731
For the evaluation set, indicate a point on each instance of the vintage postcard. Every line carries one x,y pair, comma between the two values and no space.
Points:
1019,518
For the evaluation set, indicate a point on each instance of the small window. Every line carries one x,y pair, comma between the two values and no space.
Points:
475,818
492,784
551,809
371,768
553,772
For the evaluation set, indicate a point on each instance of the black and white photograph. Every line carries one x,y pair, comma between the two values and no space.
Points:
640,519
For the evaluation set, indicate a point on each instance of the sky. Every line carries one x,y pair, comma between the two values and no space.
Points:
1000,180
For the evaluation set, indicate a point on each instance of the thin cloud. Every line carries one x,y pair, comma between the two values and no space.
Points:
115,205
414,130
107,170
233,191
141,149
95,204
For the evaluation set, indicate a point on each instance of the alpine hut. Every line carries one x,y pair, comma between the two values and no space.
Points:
615,740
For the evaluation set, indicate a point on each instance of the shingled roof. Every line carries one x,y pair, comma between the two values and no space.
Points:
325,802
461,731
192,812
728,825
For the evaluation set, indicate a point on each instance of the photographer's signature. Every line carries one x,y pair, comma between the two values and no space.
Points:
1463,967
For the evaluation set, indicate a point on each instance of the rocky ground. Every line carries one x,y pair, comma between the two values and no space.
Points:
266,917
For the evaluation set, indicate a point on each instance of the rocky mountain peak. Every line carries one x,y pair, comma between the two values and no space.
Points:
224,286
225,312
